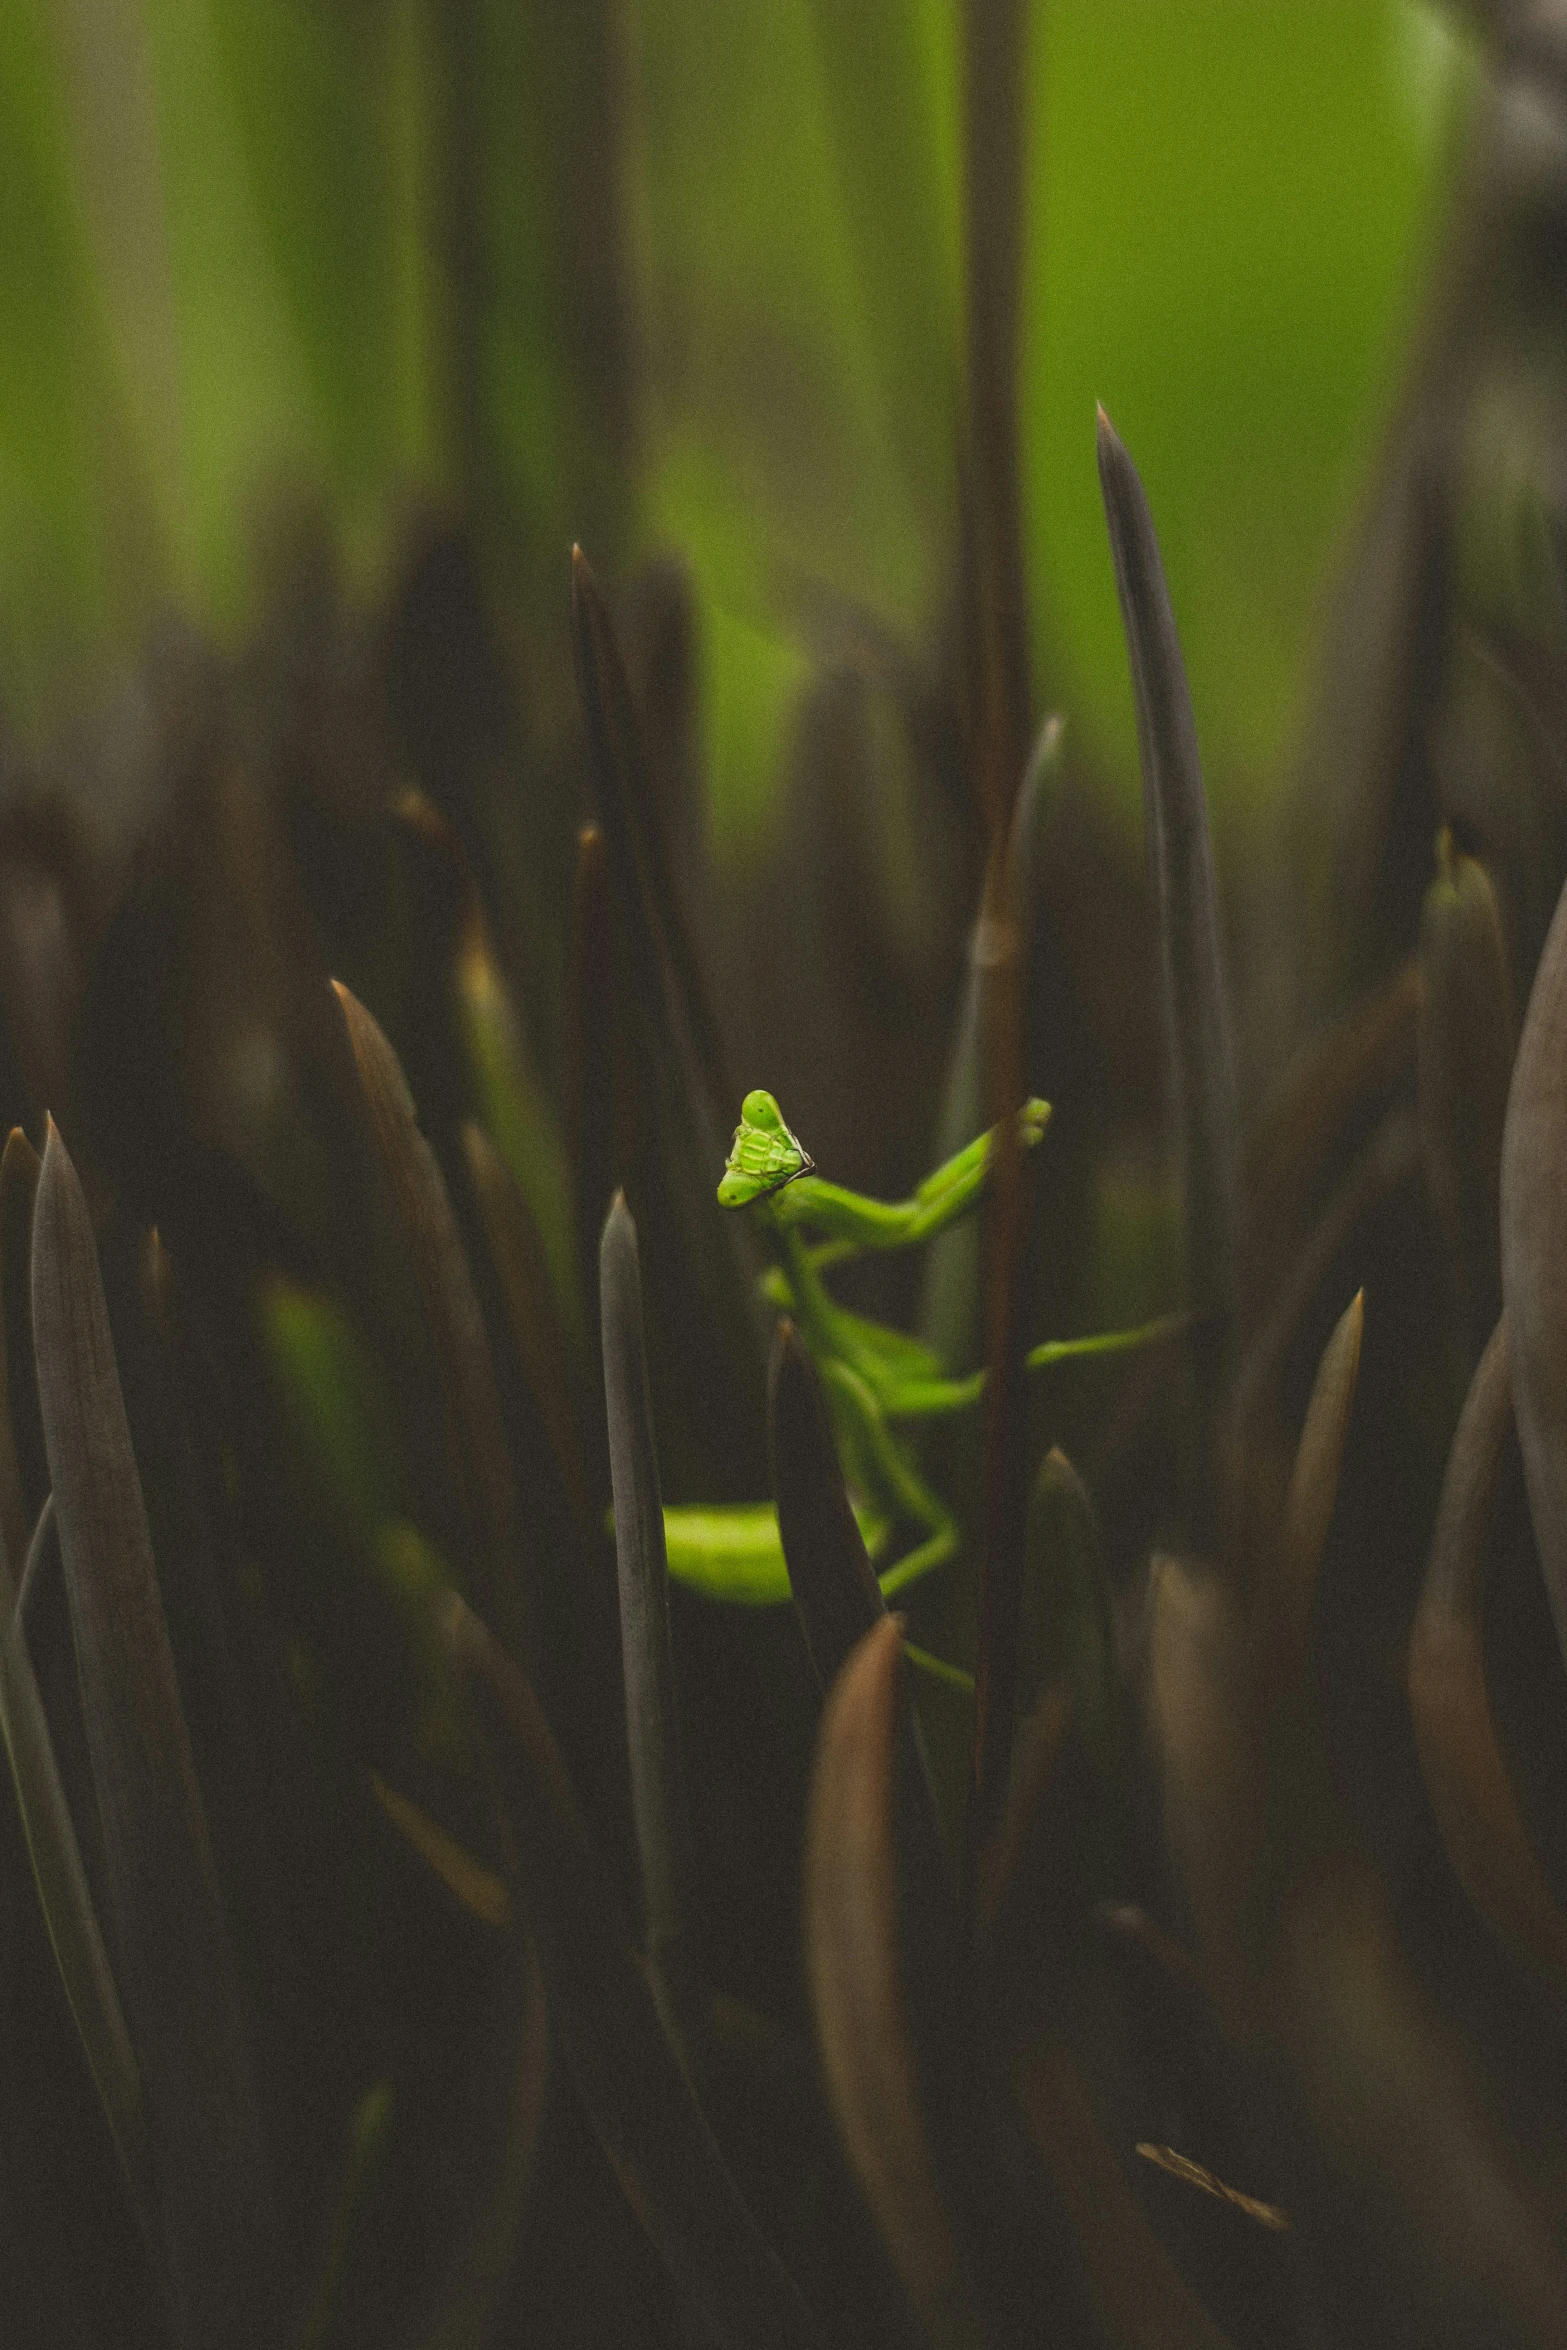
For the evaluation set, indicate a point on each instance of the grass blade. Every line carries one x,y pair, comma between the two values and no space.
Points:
1313,1489
836,1594
995,40
64,1894
1460,1758
590,1054
476,1439
543,1347
658,1796
1196,1008
1534,1257
24,1477
220,2261
949,1299
856,1956
662,946
627,2074
1467,1034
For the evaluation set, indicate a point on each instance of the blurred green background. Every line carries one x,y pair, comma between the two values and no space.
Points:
684,275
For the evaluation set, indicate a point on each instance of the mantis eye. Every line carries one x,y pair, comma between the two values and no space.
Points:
763,1156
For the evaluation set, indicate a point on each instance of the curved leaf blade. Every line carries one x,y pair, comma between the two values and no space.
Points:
627,2074
220,2252
66,1898
857,1980
1455,1735
1196,1006
476,1435
1534,1257
658,1796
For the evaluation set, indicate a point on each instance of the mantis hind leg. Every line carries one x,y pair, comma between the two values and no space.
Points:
933,1552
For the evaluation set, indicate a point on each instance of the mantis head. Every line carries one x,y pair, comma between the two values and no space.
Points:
763,1156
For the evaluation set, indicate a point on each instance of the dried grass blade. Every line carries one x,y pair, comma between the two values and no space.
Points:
176,1974
658,1795
1460,1759
65,1897
1534,1257
475,1430
857,1967
627,2074
1196,1006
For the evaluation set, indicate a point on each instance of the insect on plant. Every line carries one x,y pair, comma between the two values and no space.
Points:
874,1377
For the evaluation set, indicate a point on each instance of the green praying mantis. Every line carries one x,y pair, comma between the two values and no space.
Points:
875,1378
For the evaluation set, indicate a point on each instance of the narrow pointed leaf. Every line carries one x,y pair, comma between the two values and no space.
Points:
1534,1257
949,1307
171,1955
475,1432
1196,1008
23,1472
1460,1758
836,1595
1207,1741
626,2072
517,1114
658,1793
1004,1442
995,79
858,1974
663,949
1067,1630
1467,1035
543,1346
590,1053
65,1897
1313,1489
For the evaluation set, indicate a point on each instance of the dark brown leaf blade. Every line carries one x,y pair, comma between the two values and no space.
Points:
658,1796
1460,1759
543,1344
23,1473
857,1978
590,1053
661,941
627,2074
66,1898
1139,2297
836,1595
1534,1257
1196,1006
1467,1034
1313,1489
476,1435
949,1298
176,1974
